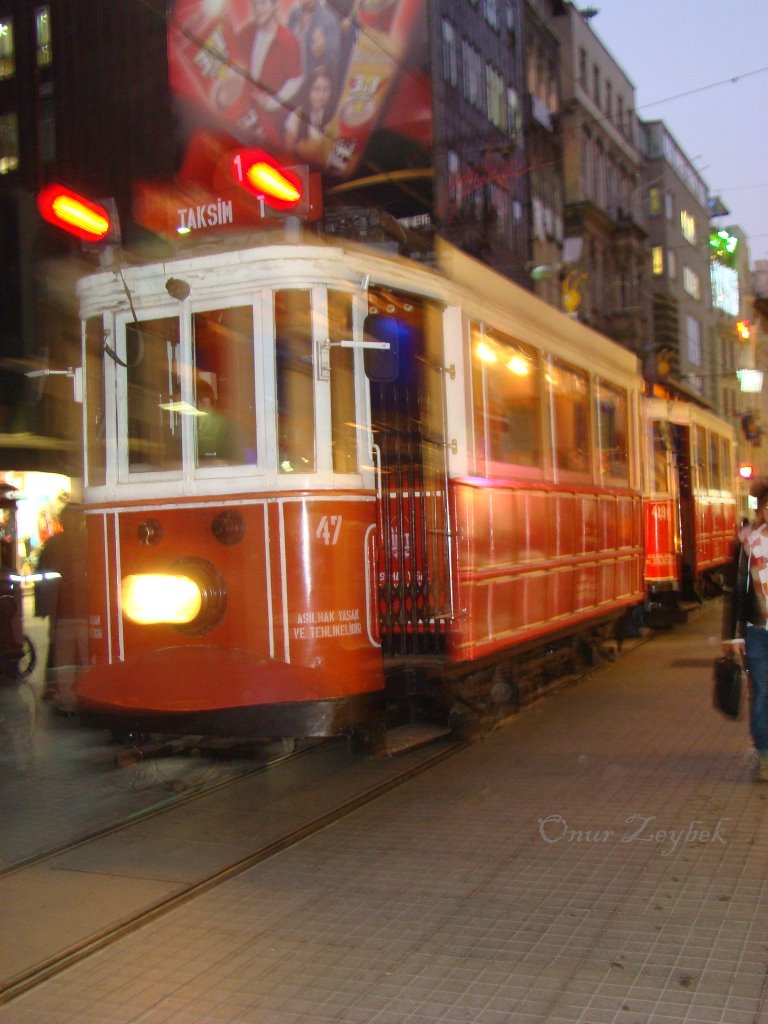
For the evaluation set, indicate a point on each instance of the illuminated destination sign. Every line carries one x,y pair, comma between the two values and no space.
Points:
173,208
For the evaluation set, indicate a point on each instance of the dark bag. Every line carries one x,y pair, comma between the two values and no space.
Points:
728,692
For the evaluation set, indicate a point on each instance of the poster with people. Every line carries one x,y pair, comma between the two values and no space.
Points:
307,80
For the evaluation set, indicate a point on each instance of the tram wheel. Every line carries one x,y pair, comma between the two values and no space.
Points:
28,658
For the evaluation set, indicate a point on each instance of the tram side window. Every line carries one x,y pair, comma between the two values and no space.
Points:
715,469
154,423
95,417
612,432
570,410
726,462
660,469
225,420
700,459
506,384
294,371
343,433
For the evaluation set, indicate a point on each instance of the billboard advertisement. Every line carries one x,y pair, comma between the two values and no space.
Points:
311,81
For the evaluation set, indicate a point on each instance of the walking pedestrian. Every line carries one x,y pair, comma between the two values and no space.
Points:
745,632
65,554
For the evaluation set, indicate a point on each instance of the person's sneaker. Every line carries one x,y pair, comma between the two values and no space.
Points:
761,773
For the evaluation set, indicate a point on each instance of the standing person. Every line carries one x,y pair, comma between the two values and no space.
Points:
270,56
745,632
65,554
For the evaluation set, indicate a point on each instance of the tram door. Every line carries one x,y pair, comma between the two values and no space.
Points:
684,460
408,422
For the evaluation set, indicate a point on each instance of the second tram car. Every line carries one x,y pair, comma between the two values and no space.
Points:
320,479
690,507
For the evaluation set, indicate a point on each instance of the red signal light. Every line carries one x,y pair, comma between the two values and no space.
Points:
74,213
259,173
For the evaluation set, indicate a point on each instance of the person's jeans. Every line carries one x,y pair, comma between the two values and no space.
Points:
757,665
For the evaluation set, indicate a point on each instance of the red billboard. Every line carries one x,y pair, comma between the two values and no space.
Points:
308,80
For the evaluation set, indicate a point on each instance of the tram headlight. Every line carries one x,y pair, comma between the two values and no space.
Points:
156,597
191,595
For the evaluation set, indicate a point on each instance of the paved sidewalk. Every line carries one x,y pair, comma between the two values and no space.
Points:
600,859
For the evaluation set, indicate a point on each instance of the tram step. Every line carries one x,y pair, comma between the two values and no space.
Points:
408,737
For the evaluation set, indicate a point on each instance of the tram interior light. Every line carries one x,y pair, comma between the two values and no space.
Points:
151,598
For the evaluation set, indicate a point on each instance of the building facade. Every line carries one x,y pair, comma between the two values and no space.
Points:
605,218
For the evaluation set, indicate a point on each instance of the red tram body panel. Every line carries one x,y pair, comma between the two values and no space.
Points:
660,541
535,560
307,560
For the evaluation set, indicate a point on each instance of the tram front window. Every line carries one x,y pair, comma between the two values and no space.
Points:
95,408
154,424
343,430
225,404
295,381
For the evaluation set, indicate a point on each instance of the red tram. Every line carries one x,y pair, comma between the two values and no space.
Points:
322,478
690,507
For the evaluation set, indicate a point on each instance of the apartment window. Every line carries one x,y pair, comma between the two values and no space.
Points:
587,161
657,259
43,36
450,55
691,283
472,66
491,13
9,143
654,201
609,99
671,264
583,68
552,96
688,226
7,57
693,340
494,87
596,84
620,112
454,178
669,206
513,115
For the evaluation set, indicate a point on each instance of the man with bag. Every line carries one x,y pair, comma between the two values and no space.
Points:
745,623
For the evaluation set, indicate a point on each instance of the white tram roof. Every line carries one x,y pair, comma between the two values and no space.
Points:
686,414
483,294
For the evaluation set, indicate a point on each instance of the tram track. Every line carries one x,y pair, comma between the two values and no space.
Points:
327,779
372,779
175,800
